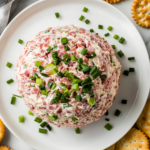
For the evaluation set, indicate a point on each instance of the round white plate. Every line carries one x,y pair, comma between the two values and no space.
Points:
134,88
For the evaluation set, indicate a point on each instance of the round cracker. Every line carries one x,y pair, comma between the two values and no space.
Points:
141,12
134,139
143,123
2,130
5,148
112,1
111,147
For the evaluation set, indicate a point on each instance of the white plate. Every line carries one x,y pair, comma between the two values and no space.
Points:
134,88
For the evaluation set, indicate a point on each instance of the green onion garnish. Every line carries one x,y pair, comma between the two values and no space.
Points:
79,67
32,85
91,101
20,41
32,78
9,64
43,124
13,100
49,49
124,101
75,87
87,21
126,72
10,81
103,76
78,98
38,120
81,18
53,117
43,74
113,46
21,118
97,33
84,51
31,50
24,66
74,119
80,60
66,47
115,36
91,30
57,15
73,57
60,74
44,92
39,81
48,127
121,40
66,60
86,81
103,38
117,113
107,34
120,53
107,113
92,55
42,130
85,9
55,46
17,96
47,31
30,113
100,26
86,69
37,63
50,84
106,119
77,130
55,100
76,81
42,87
64,40
131,58
109,28
54,86
131,69
66,105
108,126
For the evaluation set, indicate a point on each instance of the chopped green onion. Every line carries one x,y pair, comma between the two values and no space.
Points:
80,60
74,119
97,33
120,53
66,73
121,40
54,86
17,96
75,87
103,76
43,74
107,113
9,64
76,81
49,49
92,55
113,46
115,36
81,18
54,54
86,81
84,51
24,66
39,81
71,76
31,50
124,101
131,58
38,120
10,81
77,130
100,26
42,130
108,126
78,98
55,46
60,74
131,69
103,38
62,84
66,55
66,47
66,60
50,84
32,78
109,28
47,31
91,101
43,124
79,67
21,118
32,85
64,40
48,127
93,70
56,62
117,113
30,113
126,72
53,117
55,100
86,69
13,100
42,87
66,105
57,15
41,68
36,75
106,119
91,30
73,57
85,9
37,63
20,41
87,21
44,92
107,34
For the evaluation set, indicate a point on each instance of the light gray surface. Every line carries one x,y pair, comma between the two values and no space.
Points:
125,6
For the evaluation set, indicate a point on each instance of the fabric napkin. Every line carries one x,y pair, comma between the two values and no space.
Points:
5,6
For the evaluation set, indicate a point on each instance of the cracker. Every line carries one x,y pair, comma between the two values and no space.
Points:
2,130
5,148
111,147
143,123
134,139
141,12
112,1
